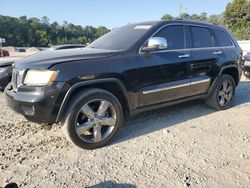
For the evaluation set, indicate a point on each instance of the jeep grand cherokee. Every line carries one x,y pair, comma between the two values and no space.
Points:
131,69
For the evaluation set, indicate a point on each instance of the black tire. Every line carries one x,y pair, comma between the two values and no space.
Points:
214,100
77,103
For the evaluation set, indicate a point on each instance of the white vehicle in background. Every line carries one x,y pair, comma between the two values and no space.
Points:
246,65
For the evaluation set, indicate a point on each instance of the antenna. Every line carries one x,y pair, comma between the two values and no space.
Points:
181,7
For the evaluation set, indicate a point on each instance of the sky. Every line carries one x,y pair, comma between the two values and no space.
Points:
109,13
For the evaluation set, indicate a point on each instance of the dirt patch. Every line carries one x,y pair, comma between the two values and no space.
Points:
188,145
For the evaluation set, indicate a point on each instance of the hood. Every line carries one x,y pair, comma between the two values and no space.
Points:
48,58
6,63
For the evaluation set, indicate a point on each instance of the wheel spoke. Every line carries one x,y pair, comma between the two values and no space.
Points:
224,85
230,88
230,95
81,129
109,121
227,98
221,93
88,111
222,101
103,108
97,134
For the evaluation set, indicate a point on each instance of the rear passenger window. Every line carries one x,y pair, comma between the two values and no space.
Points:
174,36
201,37
222,39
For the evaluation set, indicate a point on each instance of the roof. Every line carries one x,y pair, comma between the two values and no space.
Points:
184,21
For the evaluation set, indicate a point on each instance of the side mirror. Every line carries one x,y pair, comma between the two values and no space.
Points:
155,43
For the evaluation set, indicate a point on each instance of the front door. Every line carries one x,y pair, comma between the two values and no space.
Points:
163,75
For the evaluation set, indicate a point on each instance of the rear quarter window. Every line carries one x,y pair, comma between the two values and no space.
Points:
222,39
201,37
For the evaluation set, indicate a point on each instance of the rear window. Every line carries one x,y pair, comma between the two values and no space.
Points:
201,37
222,39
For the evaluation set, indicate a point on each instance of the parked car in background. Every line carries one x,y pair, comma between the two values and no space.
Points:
21,50
6,67
246,65
132,69
66,46
4,53
5,73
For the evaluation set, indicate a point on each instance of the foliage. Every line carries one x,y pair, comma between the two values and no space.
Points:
167,17
216,19
35,32
40,32
236,18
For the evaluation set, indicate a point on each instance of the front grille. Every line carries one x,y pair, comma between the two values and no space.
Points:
14,79
17,78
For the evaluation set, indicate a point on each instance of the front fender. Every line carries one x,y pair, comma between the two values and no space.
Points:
89,83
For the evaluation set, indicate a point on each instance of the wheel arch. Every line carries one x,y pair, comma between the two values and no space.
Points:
111,85
231,70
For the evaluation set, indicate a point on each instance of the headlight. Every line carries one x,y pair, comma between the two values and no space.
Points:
39,77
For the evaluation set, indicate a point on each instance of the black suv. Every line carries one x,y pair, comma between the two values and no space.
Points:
131,69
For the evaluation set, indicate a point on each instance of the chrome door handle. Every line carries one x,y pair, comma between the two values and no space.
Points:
217,53
184,56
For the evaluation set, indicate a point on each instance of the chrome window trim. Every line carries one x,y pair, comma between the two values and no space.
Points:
193,49
187,24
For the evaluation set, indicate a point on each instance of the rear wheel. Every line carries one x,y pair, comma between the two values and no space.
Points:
93,118
222,96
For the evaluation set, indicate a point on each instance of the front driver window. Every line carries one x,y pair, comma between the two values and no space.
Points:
174,35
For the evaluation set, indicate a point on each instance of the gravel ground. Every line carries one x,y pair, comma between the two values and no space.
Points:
187,145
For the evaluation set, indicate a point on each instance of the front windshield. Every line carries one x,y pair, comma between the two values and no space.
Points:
121,38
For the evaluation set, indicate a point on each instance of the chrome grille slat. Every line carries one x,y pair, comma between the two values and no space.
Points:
14,79
17,78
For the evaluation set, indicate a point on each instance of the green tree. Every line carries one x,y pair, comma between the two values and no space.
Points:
237,18
185,16
35,32
217,19
45,20
167,17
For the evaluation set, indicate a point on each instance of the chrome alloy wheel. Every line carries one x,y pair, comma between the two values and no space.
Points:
226,93
95,121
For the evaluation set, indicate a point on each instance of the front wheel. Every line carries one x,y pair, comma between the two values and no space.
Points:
222,96
93,118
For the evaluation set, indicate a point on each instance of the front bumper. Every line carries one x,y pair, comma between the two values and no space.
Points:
37,104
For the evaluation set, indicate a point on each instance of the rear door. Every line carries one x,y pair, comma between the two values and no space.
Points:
224,47
204,58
